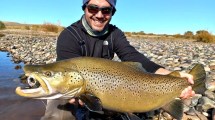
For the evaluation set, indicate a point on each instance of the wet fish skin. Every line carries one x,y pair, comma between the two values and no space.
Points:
120,86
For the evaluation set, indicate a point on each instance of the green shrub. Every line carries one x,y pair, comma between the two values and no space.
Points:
134,33
35,27
2,26
177,36
188,35
150,34
128,34
204,36
141,33
27,27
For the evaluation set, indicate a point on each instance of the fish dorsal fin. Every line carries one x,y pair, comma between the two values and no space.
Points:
135,65
92,103
174,108
175,74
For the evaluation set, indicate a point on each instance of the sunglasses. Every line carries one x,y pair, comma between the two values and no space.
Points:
94,9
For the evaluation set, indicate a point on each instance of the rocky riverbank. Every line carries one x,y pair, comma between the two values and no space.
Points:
175,55
29,49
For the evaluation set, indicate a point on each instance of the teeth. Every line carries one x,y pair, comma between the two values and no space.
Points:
98,21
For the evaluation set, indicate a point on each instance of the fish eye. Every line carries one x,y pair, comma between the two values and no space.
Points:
48,73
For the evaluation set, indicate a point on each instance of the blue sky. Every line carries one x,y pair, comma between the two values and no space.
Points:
150,16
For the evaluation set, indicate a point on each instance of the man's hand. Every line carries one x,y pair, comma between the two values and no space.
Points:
73,101
187,92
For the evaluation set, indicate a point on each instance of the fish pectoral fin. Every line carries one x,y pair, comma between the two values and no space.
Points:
174,108
130,116
92,103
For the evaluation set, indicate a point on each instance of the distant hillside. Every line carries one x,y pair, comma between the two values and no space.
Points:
201,35
45,27
12,23
7,23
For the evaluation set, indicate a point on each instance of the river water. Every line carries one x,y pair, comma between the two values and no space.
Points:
12,106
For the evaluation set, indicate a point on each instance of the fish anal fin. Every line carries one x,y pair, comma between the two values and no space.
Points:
92,103
174,108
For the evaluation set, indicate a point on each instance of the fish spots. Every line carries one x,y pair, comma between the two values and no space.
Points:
101,81
75,78
136,93
132,84
124,98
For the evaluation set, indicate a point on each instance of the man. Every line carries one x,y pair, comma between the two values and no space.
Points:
93,36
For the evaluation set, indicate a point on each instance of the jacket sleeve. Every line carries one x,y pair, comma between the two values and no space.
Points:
126,52
67,46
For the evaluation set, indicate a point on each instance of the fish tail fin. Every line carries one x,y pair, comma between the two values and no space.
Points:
199,76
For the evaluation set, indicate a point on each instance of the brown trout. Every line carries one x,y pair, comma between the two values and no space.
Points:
119,86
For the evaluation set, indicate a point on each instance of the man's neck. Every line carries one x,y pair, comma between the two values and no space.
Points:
92,32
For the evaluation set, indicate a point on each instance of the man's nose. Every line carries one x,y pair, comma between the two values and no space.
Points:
99,14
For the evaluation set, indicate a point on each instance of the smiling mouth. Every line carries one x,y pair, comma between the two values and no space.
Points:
98,23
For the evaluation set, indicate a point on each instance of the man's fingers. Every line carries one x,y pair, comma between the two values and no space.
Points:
182,94
80,102
188,76
193,93
190,80
72,101
187,93
189,88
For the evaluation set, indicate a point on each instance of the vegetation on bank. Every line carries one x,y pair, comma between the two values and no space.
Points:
204,36
2,25
200,36
46,27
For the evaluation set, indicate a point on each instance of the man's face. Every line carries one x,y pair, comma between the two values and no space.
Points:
97,20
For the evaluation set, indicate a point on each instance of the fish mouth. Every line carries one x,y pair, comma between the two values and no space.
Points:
38,87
